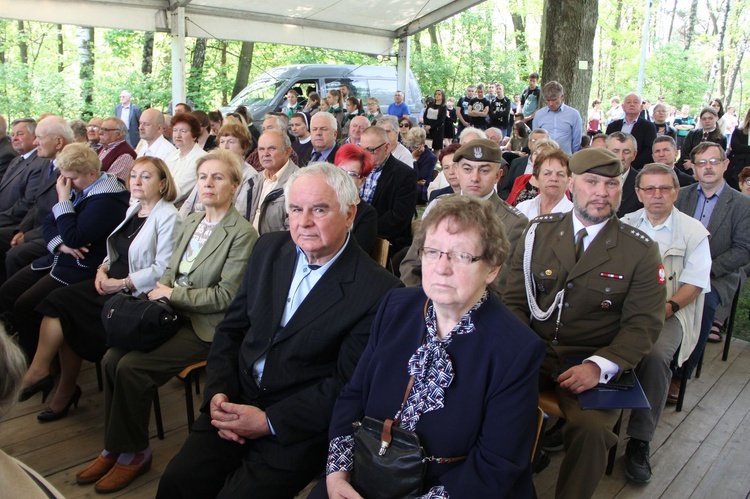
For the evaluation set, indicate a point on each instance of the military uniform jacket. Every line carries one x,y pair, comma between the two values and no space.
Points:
614,295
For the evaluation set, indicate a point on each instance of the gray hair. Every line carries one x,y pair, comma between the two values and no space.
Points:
121,127
469,130
279,122
79,129
58,127
336,178
330,118
388,118
552,89
30,124
13,364
623,137
415,137
285,140
657,169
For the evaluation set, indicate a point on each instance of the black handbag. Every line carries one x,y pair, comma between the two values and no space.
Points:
138,323
389,461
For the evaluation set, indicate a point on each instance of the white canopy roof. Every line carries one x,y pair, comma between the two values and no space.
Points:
367,26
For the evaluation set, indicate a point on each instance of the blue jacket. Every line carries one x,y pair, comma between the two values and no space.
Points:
88,223
490,407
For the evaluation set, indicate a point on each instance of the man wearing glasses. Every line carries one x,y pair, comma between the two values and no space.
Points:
116,154
390,124
726,214
624,146
92,133
683,243
391,188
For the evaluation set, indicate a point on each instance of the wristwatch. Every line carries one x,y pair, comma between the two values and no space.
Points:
675,306
126,288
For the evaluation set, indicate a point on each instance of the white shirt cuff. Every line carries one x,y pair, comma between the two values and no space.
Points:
608,368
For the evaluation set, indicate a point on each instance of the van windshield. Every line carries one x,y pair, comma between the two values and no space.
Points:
258,94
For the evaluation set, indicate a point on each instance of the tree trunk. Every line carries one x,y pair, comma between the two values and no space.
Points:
722,60
433,36
417,43
671,22
543,34
22,45
196,68
571,27
148,53
740,52
243,68
613,46
85,41
690,29
60,47
224,96
522,48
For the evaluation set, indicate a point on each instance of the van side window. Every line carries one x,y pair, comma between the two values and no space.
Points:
357,87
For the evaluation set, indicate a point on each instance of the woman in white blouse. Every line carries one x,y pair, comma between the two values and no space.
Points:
186,129
552,174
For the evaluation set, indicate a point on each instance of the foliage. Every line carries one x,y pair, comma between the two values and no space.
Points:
478,45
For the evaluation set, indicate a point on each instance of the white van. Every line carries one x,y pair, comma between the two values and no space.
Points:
268,92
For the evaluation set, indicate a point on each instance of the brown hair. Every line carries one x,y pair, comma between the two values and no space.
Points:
169,193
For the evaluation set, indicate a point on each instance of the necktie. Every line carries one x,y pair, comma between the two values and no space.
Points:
250,184
315,157
579,243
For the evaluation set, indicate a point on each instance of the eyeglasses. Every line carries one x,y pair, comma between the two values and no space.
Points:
403,125
456,257
747,182
373,149
704,162
650,191
109,129
353,174
92,127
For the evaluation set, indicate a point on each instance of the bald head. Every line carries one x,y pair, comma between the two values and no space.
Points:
358,125
52,135
151,125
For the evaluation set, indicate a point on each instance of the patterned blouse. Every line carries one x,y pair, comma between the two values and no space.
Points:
432,369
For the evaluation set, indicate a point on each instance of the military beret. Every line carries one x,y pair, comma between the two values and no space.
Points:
598,160
479,150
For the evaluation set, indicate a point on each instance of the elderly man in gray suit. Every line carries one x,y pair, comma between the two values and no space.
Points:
19,185
726,214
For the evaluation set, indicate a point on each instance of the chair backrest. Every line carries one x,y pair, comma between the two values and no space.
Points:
539,425
380,251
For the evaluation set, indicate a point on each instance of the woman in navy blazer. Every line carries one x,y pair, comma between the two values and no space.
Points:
475,366
90,205
138,252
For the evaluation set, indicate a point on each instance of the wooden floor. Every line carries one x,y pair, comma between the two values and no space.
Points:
703,451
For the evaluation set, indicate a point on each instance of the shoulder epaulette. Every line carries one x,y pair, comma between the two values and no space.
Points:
550,217
636,234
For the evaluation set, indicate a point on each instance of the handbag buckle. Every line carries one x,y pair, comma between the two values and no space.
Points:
383,448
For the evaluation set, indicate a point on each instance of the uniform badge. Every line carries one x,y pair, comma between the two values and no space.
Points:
606,305
662,277
478,153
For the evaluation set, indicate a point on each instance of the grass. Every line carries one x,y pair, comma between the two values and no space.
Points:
741,319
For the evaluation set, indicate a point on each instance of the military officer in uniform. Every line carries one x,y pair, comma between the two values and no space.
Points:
478,173
593,288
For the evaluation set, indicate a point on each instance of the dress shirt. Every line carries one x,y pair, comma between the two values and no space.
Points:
705,206
697,269
564,126
159,149
121,165
367,192
627,126
321,155
183,170
607,368
125,116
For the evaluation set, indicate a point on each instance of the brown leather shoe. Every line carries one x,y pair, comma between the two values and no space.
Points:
120,476
97,469
674,391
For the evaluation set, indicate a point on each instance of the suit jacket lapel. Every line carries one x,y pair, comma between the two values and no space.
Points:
385,178
14,169
720,210
283,270
326,293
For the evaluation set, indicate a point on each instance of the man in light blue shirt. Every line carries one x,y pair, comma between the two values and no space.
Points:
563,122
398,107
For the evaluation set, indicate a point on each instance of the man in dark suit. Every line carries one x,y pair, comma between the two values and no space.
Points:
391,188
26,242
130,114
665,151
323,133
288,343
624,147
641,129
19,184
726,214
519,166
7,153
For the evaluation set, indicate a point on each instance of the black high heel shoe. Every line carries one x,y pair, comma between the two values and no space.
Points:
48,414
44,385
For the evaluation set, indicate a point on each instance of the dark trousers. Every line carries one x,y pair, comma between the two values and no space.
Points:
208,466
20,256
19,297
